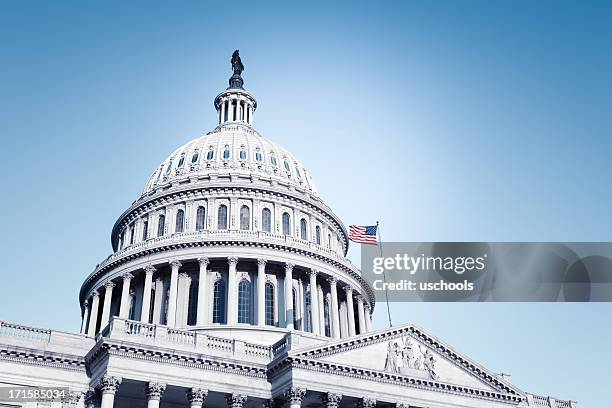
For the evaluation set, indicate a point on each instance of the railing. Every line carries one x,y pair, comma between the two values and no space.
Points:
542,401
256,350
220,343
181,336
279,347
24,332
139,329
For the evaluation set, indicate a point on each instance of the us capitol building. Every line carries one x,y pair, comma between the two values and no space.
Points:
229,286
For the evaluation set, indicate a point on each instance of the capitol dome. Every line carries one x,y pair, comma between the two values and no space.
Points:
230,236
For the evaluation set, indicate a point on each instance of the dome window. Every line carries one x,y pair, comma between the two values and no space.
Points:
243,154
181,162
258,156
210,155
226,154
169,167
297,171
273,160
286,163
195,157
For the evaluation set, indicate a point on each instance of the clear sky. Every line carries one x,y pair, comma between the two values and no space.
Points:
443,120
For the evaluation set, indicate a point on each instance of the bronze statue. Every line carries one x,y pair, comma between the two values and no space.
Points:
237,63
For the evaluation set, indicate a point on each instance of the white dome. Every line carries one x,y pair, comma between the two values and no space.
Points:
231,149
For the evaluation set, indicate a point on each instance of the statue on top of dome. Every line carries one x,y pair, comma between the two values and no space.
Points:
237,65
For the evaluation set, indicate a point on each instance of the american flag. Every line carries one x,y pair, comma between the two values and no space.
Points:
363,234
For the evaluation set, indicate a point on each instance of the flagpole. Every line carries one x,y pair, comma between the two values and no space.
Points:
384,273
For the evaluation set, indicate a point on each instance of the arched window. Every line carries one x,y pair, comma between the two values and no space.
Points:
161,225
181,162
328,241
258,156
145,230
210,155
180,221
273,160
219,301
245,218
266,220
318,235
169,167
286,163
244,301
326,318
243,154
269,304
226,153
294,307
286,227
200,218
195,157
303,233
131,234
222,217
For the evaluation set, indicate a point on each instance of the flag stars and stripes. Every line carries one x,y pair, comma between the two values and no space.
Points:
363,234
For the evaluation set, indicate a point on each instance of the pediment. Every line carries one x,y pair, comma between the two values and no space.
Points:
408,351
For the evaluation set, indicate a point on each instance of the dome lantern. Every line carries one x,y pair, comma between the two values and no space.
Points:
235,104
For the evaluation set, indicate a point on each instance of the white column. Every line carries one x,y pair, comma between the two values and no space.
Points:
294,397
171,318
180,299
261,292
331,400
146,294
301,314
289,296
222,119
108,296
314,302
361,315
186,293
124,307
321,299
232,300
93,314
334,312
196,397
202,291
236,400
154,391
84,319
157,302
109,386
368,317
350,311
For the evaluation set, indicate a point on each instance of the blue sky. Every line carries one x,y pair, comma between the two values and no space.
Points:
485,121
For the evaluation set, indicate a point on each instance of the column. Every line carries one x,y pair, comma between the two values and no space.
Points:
202,291
171,318
154,391
261,292
109,386
157,302
321,299
300,306
180,299
124,308
196,397
146,294
331,400
289,296
314,302
222,112
108,296
93,314
92,398
294,397
236,400
361,315
350,310
334,312
366,403
368,317
85,313
232,298
71,399
186,293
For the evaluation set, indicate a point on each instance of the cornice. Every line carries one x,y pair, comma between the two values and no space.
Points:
42,358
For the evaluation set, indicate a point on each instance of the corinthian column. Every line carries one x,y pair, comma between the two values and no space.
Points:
108,296
289,312
236,400
261,292
361,315
124,308
146,294
366,403
196,397
85,313
93,314
314,302
202,291
331,400
334,307
154,391
294,397
232,309
171,318
350,311
368,317
109,386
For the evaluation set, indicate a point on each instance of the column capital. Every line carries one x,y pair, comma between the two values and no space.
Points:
366,307
359,298
236,400
95,294
365,403
313,271
154,390
127,276
86,304
110,384
332,280
295,395
289,266
175,264
348,289
150,269
232,260
331,400
203,261
109,285
262,261
197,395
71,398
402,405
